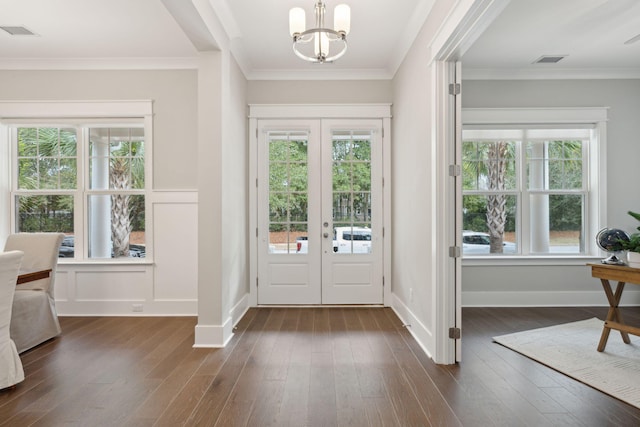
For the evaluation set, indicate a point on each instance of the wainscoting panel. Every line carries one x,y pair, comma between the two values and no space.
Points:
111,285
176,245
163,284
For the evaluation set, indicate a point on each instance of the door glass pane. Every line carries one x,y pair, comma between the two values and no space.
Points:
351,178
288,192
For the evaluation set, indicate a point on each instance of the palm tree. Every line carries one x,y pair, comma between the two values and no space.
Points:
126,171
497,157
489,164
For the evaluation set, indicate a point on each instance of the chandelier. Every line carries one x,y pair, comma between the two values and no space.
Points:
315,44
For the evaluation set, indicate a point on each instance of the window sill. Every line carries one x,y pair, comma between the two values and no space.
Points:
542,260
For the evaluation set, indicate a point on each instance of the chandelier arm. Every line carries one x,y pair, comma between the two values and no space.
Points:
328,31
332,37
307,36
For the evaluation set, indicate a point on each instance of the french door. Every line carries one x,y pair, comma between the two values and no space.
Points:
319,208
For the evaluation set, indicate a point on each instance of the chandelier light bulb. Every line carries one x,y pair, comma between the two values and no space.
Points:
296,21
342,18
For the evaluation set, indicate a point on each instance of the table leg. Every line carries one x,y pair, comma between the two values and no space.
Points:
613,314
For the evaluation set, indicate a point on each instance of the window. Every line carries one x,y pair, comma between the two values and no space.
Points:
530,188
288,191
86,181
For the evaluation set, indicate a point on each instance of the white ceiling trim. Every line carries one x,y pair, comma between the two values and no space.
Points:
190,21
212,21
320,74
418,18
98,63
548,74
225,16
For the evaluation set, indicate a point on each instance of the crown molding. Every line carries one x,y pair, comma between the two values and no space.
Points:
548,73
184,63
412,29
320,74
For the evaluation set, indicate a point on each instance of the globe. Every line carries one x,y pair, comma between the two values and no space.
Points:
610,240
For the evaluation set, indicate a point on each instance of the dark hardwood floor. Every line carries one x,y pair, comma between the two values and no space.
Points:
299,367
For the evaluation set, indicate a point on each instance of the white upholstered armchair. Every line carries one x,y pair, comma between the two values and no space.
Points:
34,318
11,371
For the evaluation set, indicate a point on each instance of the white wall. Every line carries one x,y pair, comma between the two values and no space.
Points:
414,282
319,92
174,93
235,202
222,198
569,284
169,285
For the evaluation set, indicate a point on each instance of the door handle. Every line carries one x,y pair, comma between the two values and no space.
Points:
326,235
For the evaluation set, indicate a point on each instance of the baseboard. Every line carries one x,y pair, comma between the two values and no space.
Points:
545,299
239,310
423,336
127,308
213,336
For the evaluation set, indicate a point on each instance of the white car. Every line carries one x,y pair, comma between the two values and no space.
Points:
344,238
355,240
302,245
476,243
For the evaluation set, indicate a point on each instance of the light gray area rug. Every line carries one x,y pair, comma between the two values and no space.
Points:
571,349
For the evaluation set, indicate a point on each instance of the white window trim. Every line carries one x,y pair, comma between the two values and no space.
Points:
78,113
596,214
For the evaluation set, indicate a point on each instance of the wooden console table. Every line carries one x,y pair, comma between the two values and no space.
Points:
623,275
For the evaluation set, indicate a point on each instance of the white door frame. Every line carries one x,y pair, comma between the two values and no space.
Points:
319,111
463,26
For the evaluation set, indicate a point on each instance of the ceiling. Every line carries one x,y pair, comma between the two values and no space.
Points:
591,32
146,33
138,34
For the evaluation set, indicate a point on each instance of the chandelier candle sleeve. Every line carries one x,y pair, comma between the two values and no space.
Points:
315,44
342,19
296,21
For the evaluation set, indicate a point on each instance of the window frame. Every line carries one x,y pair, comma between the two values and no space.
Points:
82,116
594,185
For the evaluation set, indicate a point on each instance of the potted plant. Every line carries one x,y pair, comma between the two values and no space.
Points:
632,246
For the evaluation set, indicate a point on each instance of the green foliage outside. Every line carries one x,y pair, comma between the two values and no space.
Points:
45,213
352,182
288,183
47,160
564,163
288,200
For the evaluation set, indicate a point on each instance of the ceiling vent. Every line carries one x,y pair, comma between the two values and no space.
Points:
633,39
17,30
549,59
